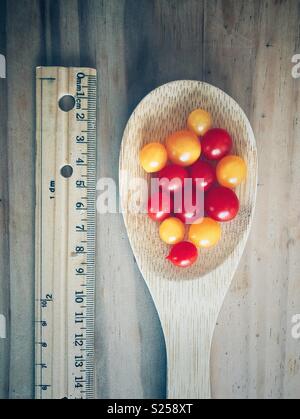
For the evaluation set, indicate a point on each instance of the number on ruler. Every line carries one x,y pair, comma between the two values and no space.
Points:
45,301
80,162
43,344
79,340
79,249
79,317
80,116
79,297
80,184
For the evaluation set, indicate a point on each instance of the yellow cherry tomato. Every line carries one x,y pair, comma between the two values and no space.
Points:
199,121
172,230
183,147
207,233
231,171
153,157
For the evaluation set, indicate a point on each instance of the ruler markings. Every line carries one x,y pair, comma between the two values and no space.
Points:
47,78
41,224
79,326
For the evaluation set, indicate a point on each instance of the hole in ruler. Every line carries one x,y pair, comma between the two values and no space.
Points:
66,171
66,103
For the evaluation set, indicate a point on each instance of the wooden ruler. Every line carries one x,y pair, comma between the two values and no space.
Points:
65,232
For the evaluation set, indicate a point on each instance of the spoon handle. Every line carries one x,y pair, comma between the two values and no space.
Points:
188,353
188,318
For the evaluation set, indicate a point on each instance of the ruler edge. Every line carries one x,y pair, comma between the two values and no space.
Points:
37,225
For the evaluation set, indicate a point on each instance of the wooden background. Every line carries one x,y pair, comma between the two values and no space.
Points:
242,46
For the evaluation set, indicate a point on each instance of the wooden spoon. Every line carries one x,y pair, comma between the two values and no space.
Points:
188,300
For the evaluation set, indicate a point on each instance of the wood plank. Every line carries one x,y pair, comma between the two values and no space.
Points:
137,45
249,50
4,252
21,62
130,44
131,297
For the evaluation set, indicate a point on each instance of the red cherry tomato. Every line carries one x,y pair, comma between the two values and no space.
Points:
216,144
160,206
189,204
203,174
221,204
183,254
172,177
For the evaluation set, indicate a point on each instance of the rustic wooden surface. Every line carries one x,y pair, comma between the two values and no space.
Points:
244,47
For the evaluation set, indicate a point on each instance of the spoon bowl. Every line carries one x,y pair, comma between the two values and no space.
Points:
188,300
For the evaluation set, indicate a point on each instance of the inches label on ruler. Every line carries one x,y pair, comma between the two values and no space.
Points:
65,232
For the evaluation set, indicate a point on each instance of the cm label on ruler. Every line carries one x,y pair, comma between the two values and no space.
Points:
65,232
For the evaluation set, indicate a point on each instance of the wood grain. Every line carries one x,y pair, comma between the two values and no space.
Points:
265,294
244,47
60,247
4,243
21,154
134,39
188,300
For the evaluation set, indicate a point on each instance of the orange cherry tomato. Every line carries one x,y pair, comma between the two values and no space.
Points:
153,157
206,233
199,121
172,230
231,171
183,147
